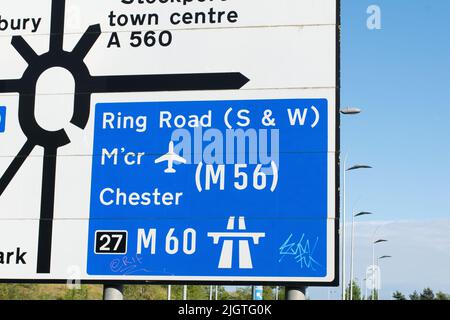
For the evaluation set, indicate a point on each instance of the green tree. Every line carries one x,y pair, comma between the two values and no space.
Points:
198,292
356,291
270,293
375,295
442,296
25,291
427,294
414,296
282,293
398,296
193,292
9,292
77,294
145,292
241,293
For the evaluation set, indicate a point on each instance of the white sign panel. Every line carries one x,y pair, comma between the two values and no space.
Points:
373,278
181,140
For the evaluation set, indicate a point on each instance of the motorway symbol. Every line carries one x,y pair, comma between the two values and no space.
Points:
226,256
85,86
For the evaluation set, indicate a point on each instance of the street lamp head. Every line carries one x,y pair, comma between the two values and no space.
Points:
359,166
351,111
363,213
384,257
380,240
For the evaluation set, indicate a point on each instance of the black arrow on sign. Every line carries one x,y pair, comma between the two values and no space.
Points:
85,86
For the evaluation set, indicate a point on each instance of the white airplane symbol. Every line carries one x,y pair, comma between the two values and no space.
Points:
170,157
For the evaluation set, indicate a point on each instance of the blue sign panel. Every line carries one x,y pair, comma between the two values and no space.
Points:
210,190
2,119
258,292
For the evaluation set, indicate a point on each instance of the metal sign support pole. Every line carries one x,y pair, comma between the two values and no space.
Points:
295,293
169,292
185,292
112,292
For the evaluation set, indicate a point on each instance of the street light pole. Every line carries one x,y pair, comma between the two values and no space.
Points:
363,213
344,257
373,271
365,288
378,264
373,263
343,228
352,243
347,111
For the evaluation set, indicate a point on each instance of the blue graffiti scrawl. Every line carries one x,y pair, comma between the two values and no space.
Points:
302,252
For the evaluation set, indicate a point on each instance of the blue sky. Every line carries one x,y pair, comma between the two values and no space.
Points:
400,77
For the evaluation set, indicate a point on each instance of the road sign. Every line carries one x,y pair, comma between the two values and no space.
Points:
258,293
169,140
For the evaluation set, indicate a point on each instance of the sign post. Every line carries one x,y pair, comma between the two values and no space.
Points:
295,293
112,292
187,141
